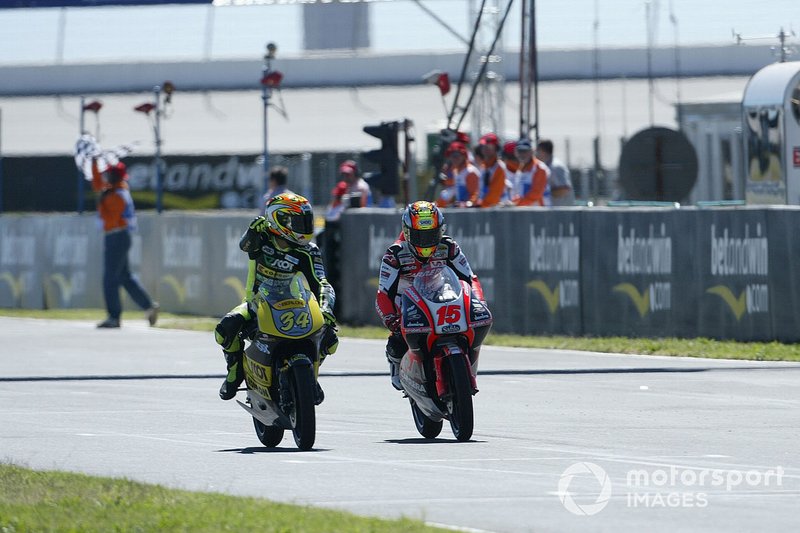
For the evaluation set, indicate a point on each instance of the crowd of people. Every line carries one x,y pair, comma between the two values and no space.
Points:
488,174
513,173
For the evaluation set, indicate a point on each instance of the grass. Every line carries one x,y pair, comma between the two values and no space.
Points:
709,348
64,502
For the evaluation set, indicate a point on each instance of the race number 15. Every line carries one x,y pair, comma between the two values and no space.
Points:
448,314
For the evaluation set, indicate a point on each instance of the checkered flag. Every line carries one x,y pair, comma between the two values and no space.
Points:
87,148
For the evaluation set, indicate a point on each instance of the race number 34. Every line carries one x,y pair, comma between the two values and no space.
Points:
289,321
448,314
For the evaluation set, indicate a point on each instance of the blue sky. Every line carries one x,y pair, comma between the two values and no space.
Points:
180,32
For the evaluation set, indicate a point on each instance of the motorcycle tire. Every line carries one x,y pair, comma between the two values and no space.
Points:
303,417
459,406
426,427
270,436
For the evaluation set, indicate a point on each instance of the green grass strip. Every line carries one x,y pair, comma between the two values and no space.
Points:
64,502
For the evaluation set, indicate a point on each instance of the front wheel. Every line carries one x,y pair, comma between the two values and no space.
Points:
426,427
303,417
270,436
459,405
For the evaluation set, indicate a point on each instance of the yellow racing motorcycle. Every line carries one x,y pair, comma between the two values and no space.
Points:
281,364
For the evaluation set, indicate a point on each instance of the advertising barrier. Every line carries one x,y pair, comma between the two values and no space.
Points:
629,273
724,273
732,253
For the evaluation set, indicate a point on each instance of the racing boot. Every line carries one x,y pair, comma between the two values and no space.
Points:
235,375
395,350
394,373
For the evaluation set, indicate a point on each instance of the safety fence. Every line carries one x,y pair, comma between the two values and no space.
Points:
727,273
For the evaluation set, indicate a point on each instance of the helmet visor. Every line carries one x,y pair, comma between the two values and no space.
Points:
302,223
425,238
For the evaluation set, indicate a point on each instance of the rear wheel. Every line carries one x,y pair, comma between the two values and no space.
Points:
426,427
303,418
459,405
270,436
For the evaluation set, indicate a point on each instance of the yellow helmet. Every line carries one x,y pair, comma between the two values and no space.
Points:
290,217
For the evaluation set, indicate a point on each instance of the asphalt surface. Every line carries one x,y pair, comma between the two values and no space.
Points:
564,441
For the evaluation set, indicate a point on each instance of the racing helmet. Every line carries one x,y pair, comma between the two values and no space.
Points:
290,217
423,228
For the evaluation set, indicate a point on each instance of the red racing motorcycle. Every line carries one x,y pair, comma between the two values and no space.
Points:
444,326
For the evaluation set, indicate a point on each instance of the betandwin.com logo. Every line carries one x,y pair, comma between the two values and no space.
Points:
585,488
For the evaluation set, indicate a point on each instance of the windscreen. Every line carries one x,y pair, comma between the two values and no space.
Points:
438,284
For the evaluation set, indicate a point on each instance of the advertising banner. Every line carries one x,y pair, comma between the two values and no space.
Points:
733,251
183,253
628,271
22,264
189,182
73,253
545,275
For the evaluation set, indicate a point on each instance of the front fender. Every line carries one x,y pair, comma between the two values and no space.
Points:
299,360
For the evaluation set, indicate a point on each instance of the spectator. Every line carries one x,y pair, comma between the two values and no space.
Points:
560,182
509,157
494,178
462,184
116,211
278,177
351,191
531,185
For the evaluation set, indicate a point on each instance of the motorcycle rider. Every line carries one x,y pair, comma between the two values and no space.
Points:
278,245
422,239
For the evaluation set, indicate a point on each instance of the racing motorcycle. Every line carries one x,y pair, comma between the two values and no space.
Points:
444,326
281,364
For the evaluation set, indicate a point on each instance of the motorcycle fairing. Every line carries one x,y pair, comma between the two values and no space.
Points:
288,308
258,376
413,379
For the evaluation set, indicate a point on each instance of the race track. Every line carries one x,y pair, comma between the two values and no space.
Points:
564,441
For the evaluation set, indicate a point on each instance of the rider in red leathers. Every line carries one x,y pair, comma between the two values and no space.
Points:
422,240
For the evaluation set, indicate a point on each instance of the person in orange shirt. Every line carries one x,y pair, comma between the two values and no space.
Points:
494,177
462,186
115,208
531,185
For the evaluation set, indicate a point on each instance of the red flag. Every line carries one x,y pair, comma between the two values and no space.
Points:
443,82
93,106
273,79
145,108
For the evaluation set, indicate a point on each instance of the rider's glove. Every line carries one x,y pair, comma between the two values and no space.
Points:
330,320
259,224
392,322
330,342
